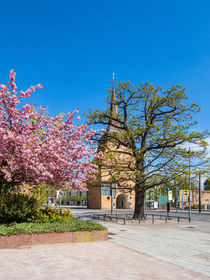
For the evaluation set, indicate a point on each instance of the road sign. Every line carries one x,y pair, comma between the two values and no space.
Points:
170,195
186,192
168,189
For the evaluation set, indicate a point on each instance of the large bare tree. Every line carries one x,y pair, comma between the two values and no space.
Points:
149,126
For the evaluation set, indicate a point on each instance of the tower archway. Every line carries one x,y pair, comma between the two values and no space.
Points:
122,202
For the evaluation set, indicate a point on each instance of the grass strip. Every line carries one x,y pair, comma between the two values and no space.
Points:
71,225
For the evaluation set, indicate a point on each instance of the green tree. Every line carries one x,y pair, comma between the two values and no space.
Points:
207,185
149,125
42,191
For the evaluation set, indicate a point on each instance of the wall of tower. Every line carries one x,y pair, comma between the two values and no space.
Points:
96,198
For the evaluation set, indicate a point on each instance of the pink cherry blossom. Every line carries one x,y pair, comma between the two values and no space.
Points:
12,84
36,148
12,75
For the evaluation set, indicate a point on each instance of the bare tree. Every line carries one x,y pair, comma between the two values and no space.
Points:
143,143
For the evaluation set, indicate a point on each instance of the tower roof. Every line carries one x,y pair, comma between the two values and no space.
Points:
113,110
114,124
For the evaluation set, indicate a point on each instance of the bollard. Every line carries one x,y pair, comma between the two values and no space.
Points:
153,219
165,220
124,221
139,220
178,220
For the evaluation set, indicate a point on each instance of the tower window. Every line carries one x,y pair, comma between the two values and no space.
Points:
106,189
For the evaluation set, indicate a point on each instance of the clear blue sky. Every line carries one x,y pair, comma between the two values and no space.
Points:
72,48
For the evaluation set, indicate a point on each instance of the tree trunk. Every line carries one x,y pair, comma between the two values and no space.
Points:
139,204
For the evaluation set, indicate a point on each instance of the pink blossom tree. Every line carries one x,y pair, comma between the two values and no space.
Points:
35,148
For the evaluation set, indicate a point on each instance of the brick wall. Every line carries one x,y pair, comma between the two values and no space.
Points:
94,197
111,158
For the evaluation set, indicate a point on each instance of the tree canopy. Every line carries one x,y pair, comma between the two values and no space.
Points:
36,148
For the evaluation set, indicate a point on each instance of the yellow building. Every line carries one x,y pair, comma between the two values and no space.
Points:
205,198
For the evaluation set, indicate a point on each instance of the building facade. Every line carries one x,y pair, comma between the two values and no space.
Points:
204,196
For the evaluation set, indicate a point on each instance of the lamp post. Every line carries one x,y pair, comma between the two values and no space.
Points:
176,199
189,188
199,192
111,193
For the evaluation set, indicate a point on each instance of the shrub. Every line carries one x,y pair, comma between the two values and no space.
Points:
194,207
18,208
42,191
49,214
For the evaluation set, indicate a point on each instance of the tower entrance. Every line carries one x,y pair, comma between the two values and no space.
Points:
122,202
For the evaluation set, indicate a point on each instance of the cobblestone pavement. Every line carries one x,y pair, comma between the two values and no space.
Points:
186,245
87,261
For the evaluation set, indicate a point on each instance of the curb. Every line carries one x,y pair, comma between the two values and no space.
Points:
15,241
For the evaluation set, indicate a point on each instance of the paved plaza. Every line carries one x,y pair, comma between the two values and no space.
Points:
186,245
88,261
155,251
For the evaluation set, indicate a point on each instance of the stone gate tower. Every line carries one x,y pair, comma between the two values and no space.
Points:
106,192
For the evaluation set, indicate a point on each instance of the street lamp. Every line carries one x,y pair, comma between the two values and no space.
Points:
111,193
189,188
199,192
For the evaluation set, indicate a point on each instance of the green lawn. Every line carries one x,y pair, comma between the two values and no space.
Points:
71,225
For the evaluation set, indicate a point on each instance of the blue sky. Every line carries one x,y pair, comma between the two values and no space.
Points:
72,48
